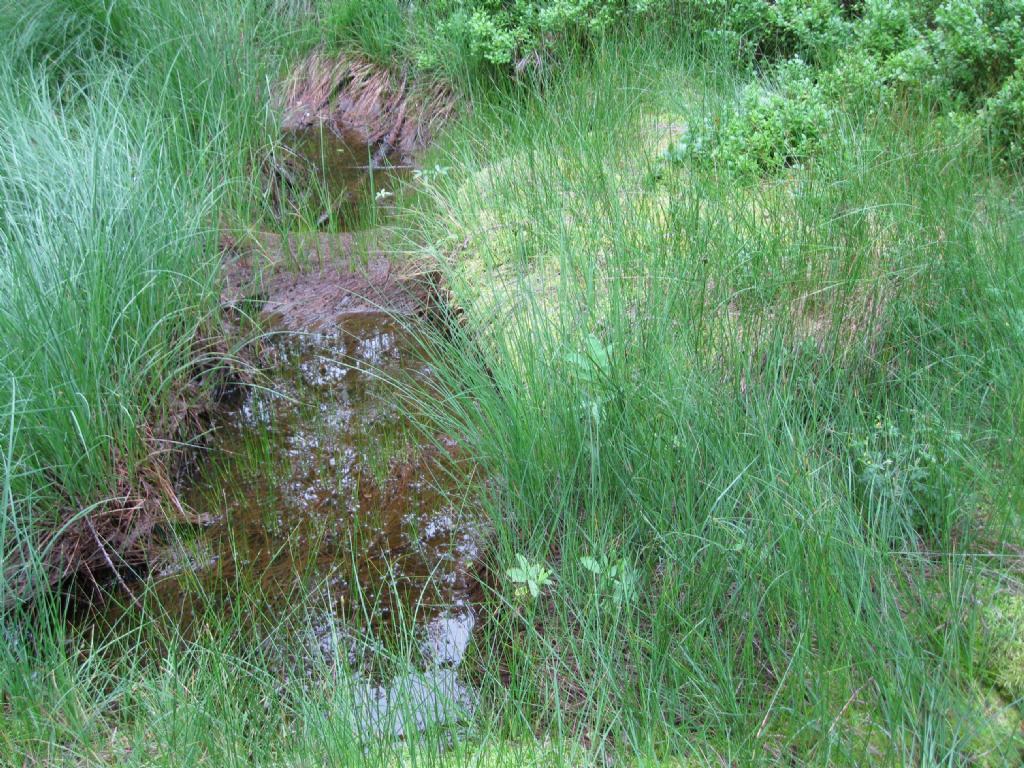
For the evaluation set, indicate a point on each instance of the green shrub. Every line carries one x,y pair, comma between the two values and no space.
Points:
811,29
885,27
504,31
594,15
776,125
490,34
974,45
1004,114
496,33
956,55
962,56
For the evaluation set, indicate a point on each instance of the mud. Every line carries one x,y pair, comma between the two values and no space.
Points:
314,282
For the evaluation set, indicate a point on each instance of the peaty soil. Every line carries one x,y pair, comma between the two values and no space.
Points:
312,282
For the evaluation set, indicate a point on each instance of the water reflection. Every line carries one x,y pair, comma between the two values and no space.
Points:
321,493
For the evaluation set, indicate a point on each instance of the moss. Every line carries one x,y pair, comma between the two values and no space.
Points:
510,221
997,738
1004,618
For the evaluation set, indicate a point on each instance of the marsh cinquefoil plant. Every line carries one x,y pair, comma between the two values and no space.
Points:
530,579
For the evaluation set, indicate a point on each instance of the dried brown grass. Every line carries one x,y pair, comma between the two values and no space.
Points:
387,111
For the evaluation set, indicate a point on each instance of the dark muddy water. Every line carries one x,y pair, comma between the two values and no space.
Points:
317,480
325,510
326,507
349,179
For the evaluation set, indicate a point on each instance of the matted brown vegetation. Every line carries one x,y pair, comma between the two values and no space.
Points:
312,281
388,111
117,534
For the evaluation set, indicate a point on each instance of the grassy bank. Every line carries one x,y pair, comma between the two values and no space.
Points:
126,130
742,366
761,432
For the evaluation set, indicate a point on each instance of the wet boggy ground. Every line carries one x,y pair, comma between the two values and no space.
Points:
321,497
317,481
328,512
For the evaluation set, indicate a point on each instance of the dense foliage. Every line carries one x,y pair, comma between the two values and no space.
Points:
958,57
468,34
954,56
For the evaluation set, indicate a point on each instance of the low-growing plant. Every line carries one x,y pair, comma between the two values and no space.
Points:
504,32
1004,621
910,469
974,46
616,581
529,579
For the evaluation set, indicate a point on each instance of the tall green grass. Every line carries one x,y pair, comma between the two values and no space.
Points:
787,412
126,129
780,406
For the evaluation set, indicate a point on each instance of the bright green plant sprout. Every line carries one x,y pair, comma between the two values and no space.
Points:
530,578
594,364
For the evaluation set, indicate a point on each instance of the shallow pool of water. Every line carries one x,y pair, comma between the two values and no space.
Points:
326,508
349,180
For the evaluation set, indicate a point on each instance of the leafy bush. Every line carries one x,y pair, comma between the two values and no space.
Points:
1004,114
974,45
959,55
492,35
497,33
885,27
503,32
811,29
775,126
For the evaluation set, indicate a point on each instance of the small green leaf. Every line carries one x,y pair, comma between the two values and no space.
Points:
599,353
